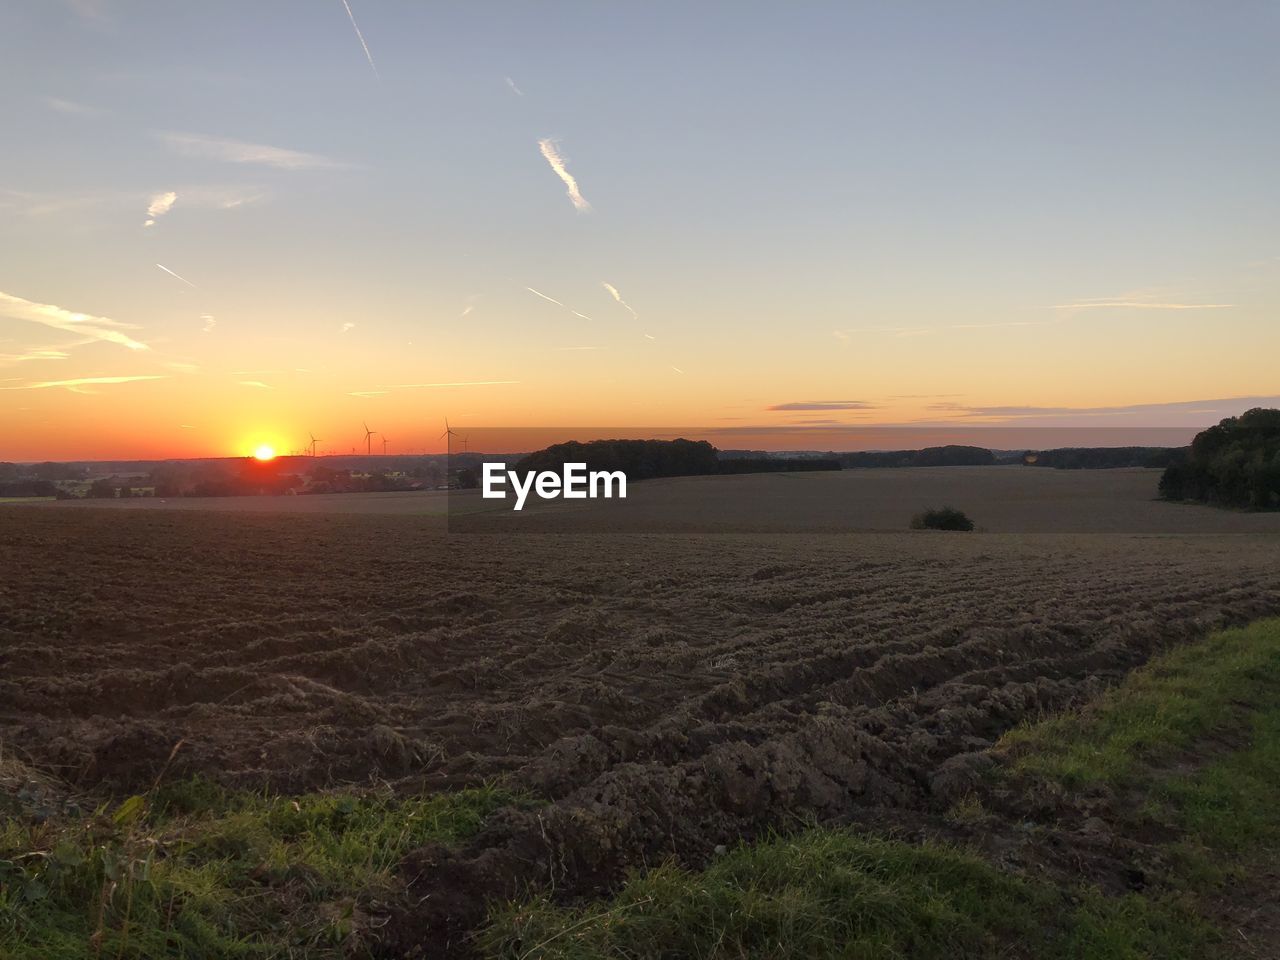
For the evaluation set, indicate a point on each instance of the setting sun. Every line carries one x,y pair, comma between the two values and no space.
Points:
264,452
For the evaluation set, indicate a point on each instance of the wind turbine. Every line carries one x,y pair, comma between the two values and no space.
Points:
314,441
368,439
385,441
450,433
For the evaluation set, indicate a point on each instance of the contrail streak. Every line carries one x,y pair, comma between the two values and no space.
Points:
172,274
368,56
539,293
613,292
552,156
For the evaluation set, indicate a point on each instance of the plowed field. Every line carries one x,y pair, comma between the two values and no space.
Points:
664,693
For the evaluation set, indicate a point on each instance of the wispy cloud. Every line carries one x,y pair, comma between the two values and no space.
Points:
83,384
80,205
33,354
824,405
209,322
257,384
613,292
454,383
1220,407
514,89
214,197
161,203
346,327
551,153
176,276
58,318
676,369
71,107
1114,303
237,151
360,36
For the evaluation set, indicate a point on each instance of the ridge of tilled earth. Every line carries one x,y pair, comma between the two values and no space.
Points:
664,694
909,731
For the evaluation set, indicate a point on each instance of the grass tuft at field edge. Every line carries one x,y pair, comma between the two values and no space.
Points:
191,869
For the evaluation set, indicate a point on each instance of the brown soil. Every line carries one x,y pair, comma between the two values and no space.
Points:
666,694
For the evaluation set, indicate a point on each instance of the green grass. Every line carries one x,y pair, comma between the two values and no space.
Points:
835,894
1222,685
1193,740
194,871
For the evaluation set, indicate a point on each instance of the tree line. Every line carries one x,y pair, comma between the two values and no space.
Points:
1104,458
646,459
1233,464
952,455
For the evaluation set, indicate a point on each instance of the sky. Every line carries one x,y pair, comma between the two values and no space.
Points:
236,223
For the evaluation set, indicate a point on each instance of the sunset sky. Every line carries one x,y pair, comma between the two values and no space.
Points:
235,223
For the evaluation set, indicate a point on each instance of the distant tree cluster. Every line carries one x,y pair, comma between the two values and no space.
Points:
949,456
645,459
38,479
1103,458
638,459
1235,464
777,464
28,488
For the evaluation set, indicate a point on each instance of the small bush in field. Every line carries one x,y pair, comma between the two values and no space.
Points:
945,518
